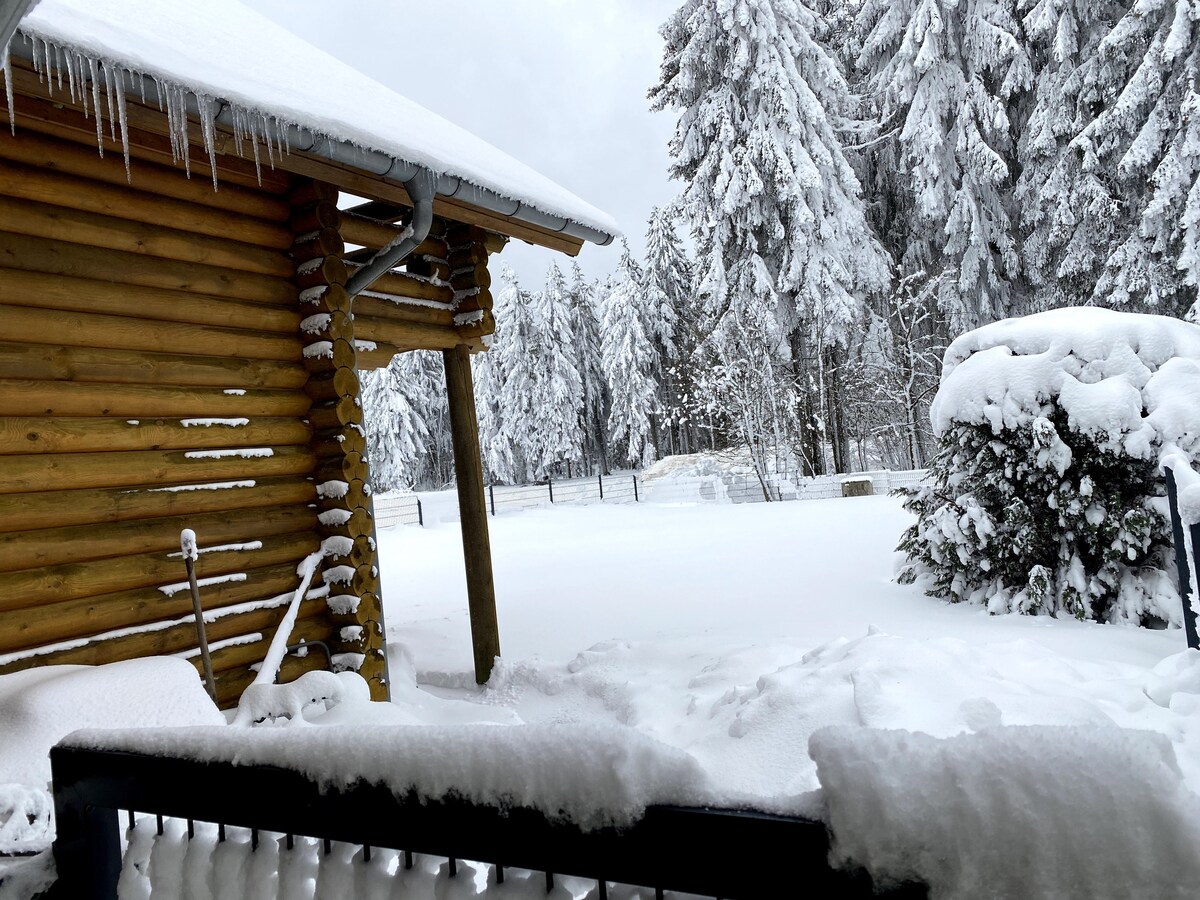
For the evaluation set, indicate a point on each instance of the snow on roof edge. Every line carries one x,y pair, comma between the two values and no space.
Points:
139,38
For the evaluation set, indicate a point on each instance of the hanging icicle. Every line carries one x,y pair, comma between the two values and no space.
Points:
95,84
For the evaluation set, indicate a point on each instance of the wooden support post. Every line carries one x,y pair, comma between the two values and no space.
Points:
477,548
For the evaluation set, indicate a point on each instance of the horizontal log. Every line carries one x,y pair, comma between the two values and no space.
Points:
408,335
330,270
46,186
80,329
56,398
314,216
232,683
471,256
306,191
375,235
30,434
404,285
80,543
60,292
312,628
335,414
378,358
36,254
52,509
170,640
46,362
30,588
337,441
81,617
91,229
399,311
241,186
71,471
316,245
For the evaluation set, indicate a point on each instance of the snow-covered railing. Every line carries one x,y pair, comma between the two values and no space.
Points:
712,852
1183,498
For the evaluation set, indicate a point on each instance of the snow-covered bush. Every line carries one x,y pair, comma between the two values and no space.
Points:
1046,494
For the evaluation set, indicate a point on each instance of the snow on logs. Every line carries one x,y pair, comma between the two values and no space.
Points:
346,521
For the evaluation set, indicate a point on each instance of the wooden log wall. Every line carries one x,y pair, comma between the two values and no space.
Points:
347,524
152,378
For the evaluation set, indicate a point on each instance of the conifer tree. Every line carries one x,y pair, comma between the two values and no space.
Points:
558,387
628,358
593,411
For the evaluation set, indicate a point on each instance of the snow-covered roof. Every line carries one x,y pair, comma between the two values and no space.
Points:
219,49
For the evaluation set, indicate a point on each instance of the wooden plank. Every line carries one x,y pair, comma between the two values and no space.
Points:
52,622
42,116
32,434
71,471
36,254
314,627
137,401
58,223
78,329
41,186
52,509
47,362
399,311
477,548
29,588
401,284
80,543
172,639
61,292
407,335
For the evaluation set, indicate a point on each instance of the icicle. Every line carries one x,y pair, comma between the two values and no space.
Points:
33,58
122,116
208,132
58,65
8,92
71,60
107,69
94,74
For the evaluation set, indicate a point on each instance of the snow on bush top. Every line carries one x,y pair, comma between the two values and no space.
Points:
592,775
222,49
1128,380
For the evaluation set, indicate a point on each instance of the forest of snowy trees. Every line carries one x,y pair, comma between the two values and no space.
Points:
861,181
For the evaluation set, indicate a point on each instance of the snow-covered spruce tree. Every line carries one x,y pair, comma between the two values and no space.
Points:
1045,496
951,74
669,286
494,446
628,357
517,367
593,413
558,387
394,419
772,201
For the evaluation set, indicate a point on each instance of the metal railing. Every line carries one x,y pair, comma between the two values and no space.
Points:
408,509
717,853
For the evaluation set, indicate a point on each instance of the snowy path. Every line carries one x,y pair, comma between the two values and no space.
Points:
733,632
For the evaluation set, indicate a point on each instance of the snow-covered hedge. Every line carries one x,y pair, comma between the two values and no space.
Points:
1046,494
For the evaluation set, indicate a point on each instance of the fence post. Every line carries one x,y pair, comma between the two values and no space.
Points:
635,490
550,485
600,481
420,514
1181,560
492,496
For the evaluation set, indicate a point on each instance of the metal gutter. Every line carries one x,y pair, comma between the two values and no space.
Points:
11,14
390,169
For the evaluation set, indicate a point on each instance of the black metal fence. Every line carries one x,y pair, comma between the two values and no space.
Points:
1182,567
717,853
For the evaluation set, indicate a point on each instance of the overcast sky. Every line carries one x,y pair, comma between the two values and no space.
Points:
559,84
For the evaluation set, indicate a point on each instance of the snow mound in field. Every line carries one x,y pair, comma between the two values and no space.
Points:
1032,812
1128,380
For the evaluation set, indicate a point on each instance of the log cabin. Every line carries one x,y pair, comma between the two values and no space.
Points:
188,303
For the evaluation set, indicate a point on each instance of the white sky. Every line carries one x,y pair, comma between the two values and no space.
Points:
558,84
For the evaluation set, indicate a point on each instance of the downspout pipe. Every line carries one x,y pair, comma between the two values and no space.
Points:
11,14
421,188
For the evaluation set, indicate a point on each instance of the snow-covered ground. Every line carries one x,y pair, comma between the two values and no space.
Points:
738,655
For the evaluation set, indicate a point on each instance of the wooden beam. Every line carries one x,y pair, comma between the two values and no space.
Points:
33,434
53,509
48,362
477,549
58,223
67,471
19,397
